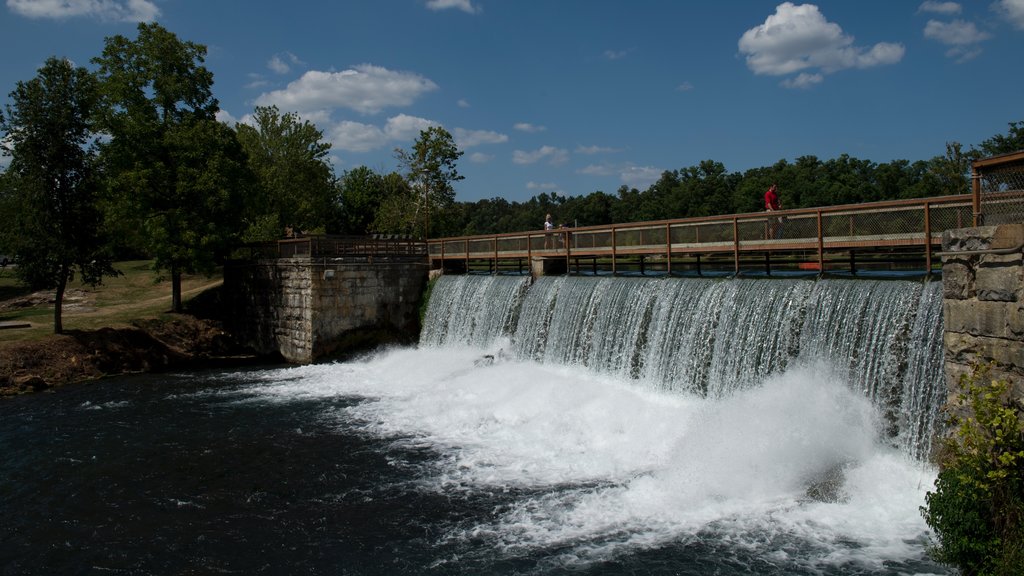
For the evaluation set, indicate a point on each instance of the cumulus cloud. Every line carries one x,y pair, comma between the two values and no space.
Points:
365,88
527,127
594,150
962,37
480,158
955,33
1012,10
547,186
799,38
226,117
359,137
470,138
684,87
803,80
282,63
549,154
464,5
111,10
462,103
639,177
947,8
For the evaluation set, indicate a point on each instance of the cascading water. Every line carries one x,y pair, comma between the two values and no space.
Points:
631,426
713,337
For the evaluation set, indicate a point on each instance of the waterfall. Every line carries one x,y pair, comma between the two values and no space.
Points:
713,337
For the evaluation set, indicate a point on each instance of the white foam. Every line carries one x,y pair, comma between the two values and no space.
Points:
619,467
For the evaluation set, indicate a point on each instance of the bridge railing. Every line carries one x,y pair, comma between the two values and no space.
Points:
331,246
916,222
997,184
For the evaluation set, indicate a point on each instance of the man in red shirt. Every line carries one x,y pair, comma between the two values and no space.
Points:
771,199
771,204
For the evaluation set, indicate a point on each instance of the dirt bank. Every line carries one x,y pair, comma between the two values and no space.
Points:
177,341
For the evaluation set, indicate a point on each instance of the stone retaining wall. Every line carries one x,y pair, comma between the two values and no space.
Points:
305,309
983,303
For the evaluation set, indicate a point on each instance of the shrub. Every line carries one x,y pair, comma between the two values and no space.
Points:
977,507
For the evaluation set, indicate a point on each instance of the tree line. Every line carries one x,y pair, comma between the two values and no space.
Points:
129,160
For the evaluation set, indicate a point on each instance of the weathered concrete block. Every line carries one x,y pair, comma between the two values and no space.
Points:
998,278
957,278
978,318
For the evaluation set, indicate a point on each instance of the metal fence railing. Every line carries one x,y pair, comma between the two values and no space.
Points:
998,185
327,246
904,223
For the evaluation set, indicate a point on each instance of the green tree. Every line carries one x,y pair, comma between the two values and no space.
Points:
295,181
951,171
1013,141
165,150
362,191
51,218
430,169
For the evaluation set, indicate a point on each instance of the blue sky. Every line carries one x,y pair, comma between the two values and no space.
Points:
574,96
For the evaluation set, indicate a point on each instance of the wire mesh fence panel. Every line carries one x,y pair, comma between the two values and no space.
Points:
484,246
714,232
513,244
950,217
1002,194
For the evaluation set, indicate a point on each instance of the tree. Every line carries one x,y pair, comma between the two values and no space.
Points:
1013,141
362,191
165,150
951,170
430,169
295,181
51,217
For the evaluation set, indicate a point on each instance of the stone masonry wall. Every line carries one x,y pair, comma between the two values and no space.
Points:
983,303
304,309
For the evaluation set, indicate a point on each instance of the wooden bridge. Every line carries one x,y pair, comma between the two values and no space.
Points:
904,234
908,231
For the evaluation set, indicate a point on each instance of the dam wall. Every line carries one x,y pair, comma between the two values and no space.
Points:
304,308
983,302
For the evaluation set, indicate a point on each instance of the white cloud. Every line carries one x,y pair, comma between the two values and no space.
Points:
594,150
947,8
115,10
527,127
282,63
616,54
469,138
359,137
1013,10
597,170
462,103
464,5
639,177
684,87
365,88
798,38
803,80
480,158
226,117
545,186
549,154
405,127
955,33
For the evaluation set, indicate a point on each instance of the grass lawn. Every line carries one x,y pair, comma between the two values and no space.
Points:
118,301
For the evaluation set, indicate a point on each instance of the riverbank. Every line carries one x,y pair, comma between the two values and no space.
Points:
171,342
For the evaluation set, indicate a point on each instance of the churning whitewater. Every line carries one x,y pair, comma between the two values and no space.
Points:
765,425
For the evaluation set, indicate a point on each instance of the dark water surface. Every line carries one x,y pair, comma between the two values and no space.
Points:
190,474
